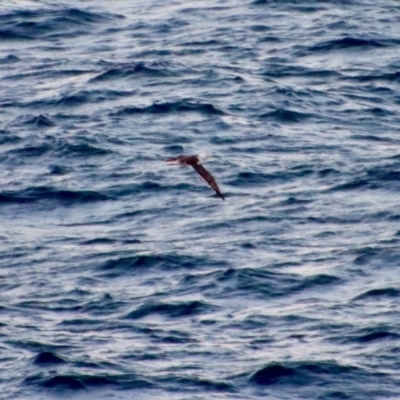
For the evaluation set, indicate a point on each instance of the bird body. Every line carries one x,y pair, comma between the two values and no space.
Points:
194,161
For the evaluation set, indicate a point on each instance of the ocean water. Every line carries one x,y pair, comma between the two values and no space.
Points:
124,278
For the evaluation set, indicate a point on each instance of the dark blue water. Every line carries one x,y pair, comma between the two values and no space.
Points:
122,277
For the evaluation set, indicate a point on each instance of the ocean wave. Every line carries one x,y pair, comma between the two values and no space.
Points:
172,380
382,176
80,381
373,138
384,173
80,149
372,294
268,283
281,70
365,335
74,99
177,106
40,121
49,22
44,70
9,59
124,71
351,185
155,261
30,150
45,193
375,76
59,170
285,116
48,358
304,373
7,138
260,179
378,335
172,310
348,43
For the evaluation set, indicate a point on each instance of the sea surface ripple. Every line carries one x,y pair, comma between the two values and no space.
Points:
122,277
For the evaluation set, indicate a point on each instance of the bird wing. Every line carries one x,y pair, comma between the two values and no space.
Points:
173,159
208,178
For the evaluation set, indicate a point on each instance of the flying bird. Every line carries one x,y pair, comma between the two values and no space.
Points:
194,161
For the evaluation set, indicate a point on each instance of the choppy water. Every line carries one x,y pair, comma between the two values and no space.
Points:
122,277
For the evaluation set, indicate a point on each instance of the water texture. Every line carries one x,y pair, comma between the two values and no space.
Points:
122,277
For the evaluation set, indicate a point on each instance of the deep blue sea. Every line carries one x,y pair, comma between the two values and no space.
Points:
122,277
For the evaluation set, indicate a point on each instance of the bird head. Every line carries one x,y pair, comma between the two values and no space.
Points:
204,157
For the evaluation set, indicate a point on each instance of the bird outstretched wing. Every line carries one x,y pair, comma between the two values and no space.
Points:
208,178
